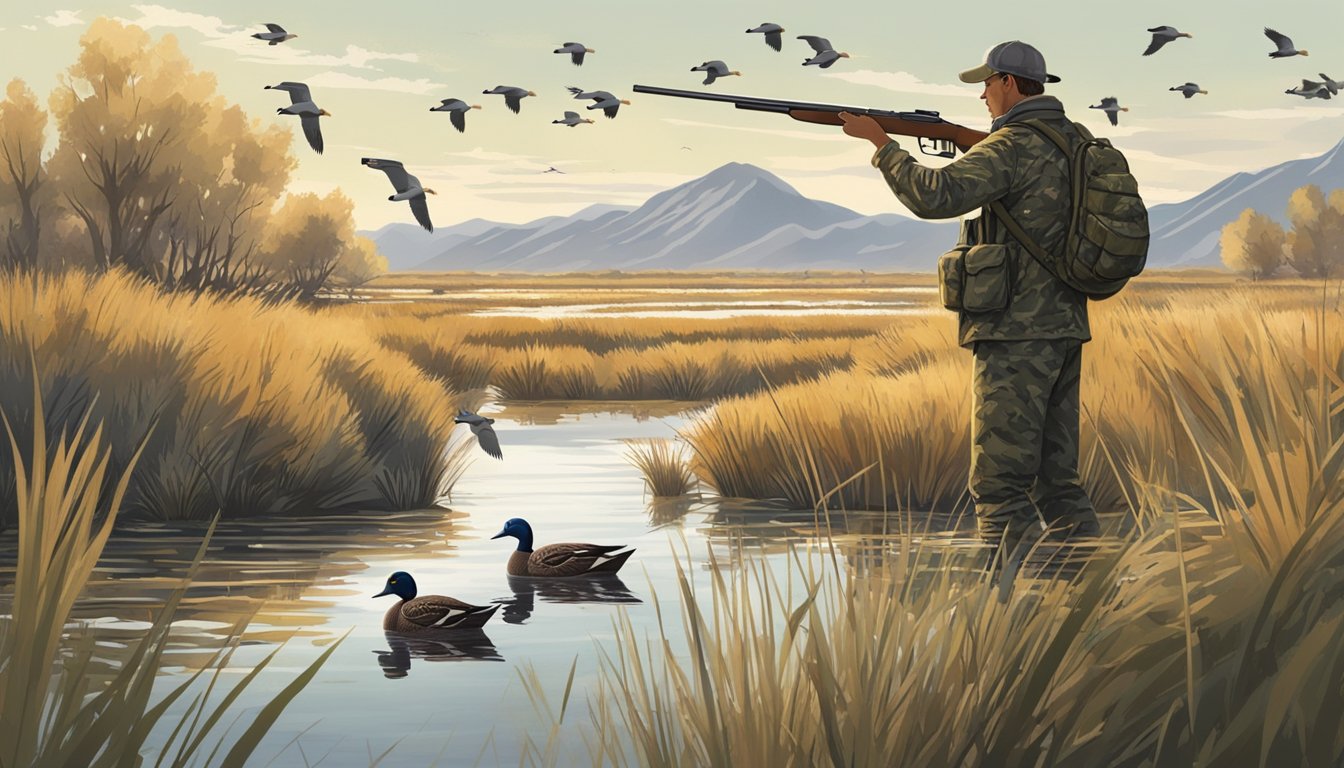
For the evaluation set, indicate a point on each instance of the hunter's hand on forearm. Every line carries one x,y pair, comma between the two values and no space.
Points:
864,127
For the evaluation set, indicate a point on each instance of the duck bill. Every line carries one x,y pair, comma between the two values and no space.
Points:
499,535
386,591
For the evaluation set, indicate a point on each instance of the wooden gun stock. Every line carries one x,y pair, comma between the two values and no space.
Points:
962,138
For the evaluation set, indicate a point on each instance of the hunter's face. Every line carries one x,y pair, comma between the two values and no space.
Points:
995,90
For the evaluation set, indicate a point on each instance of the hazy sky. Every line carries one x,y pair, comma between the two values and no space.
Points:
378,67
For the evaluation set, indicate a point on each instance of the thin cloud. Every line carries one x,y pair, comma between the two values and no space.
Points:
239,39
904,82
1304,113
29,27
420,86
63,18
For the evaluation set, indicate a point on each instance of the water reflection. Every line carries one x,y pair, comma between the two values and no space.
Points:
448,645
605,588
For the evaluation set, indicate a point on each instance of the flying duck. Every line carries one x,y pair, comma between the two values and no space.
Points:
275,36
603,100
826,55
1310,89
513,95
414,614
713,69
480,427
301,104
559,560
572,119
575,51
458,109
773,35
1162,36
1189,89
1285,44
1111,106
407,186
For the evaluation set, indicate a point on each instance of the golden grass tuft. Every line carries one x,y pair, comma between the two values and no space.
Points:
664,465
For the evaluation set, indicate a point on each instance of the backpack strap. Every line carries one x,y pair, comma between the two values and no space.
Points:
1001,211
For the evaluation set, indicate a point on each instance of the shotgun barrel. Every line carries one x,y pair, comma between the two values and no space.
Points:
921,123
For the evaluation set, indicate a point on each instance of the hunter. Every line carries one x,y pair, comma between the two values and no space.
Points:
1025,328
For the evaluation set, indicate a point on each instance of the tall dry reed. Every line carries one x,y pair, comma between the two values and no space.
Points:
53,709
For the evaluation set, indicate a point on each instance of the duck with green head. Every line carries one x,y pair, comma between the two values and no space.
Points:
559,560
428,612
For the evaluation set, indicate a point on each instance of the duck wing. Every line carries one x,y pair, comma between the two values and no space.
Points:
1156,44
774,40
819,44
458,118
1113,115
1284,42
276,28
396,173
313,131
485,435
445,612
576,559
513,101
611,111
420,209
577,57
298,92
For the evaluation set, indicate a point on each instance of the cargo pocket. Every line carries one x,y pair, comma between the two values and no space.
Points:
952,277
986,278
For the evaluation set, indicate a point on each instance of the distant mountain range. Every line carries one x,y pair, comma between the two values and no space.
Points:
739,216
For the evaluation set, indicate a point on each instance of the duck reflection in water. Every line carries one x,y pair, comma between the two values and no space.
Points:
585,589
448,645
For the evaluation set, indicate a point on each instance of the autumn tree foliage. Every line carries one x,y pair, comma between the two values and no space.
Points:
1316,242
311,240
165,177
24,193
1252,245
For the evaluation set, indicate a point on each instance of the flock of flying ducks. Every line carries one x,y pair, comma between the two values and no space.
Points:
409,189
1284,49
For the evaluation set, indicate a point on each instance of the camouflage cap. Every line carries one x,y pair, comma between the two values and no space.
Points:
1011,58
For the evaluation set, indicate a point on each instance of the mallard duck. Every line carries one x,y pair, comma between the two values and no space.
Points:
559,560
428,612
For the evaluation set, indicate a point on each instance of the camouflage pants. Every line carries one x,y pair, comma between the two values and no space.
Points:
1024,438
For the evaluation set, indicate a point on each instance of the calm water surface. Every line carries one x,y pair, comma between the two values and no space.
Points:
310,580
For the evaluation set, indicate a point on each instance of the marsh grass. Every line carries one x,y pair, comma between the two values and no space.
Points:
53,709
664,466
259,409
1210,637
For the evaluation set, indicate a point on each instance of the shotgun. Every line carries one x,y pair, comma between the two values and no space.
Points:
923,124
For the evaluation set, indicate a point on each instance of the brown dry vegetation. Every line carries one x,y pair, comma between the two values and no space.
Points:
244,408
1210,636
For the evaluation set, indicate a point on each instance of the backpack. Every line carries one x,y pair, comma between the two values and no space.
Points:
1106,242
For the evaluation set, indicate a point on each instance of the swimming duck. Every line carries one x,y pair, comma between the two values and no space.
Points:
559,560
428,612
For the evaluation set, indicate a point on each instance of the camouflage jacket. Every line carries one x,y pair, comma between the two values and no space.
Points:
1030,175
